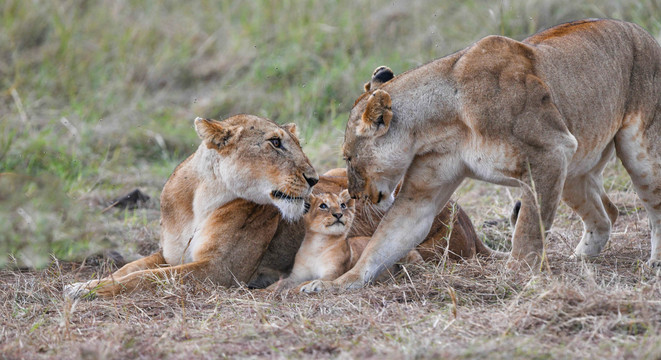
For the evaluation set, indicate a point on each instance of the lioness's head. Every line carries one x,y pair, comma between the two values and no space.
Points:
371,149
257,160
330,213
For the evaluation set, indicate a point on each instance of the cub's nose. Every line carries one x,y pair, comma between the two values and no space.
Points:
337,215
312,181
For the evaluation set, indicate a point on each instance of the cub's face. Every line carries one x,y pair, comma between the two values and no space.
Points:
330,214
258,160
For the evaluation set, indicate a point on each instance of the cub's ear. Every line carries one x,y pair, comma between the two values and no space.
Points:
377,115
346,198
215,133
291,127
310,202
381,75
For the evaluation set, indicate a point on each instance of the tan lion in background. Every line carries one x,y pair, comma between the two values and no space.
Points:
546,114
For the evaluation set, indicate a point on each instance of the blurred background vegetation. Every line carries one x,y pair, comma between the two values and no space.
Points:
98,97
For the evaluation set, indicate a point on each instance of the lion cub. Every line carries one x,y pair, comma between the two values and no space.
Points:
326,252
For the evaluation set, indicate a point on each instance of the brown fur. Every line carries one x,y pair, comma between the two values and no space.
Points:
222,206
327,252
463,241
545,114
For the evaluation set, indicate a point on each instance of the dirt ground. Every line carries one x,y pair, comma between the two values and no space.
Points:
609,307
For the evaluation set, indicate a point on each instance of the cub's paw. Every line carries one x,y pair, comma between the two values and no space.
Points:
78,290
315,286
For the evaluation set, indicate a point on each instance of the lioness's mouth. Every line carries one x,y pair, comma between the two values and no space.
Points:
277,194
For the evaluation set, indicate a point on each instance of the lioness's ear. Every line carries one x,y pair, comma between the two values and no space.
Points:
377,115
381,75
291,127
215,132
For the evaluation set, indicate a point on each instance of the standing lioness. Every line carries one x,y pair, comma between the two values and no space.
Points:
545,114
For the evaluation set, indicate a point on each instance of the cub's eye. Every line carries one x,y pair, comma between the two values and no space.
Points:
323,206
276,142
343,206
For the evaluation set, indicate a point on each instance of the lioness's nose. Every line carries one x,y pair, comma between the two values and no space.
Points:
312,181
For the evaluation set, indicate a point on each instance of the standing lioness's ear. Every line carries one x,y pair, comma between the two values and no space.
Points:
291,127
215,133
377,115
381,75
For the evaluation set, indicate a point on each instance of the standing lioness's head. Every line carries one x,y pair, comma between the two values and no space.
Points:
257,160
374,167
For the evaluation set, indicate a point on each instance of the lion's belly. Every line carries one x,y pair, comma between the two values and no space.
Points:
495,163
584,162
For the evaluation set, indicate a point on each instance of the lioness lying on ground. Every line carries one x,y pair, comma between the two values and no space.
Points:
327,252
546,114
221,207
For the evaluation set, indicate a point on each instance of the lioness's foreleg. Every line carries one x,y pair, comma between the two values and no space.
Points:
585,194
638,145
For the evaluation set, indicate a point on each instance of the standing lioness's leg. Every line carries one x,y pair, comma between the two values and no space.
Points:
638,145
585,194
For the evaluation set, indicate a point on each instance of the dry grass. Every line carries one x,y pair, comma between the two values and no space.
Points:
97,98
606,308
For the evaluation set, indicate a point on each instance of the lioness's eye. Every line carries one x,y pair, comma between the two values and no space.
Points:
276,142
323,206
343,206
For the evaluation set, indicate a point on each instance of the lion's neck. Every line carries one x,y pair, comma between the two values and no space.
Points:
425,104
214,190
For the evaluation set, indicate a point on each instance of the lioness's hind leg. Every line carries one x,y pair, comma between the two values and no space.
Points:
585,194
81,289
538,208
199,270
638,145
148,262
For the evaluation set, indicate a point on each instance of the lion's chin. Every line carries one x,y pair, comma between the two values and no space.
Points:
291,208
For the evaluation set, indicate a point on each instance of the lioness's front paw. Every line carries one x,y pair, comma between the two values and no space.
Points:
316,286
77,290
654,263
